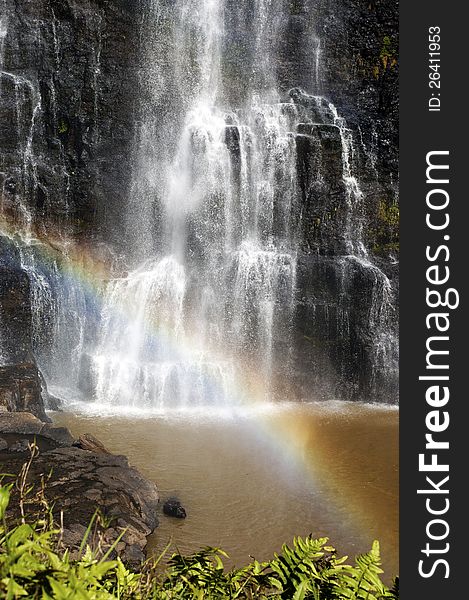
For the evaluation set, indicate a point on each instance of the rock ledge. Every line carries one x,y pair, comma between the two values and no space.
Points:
84,477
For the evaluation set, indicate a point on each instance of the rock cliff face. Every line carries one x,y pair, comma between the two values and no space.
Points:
15,314
67,87
71,83
358,62
21,384
67,112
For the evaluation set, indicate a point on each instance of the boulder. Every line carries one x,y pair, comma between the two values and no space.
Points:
88,442
17,426
21,389
80,481
173,508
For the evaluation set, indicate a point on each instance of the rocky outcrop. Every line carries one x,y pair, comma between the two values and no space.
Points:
21,389
361,65
88,442
348,51
18,429
81,477
346,329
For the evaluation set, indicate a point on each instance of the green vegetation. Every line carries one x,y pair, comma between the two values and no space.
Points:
62,126
387,54
385,230
387,57
33,564
388,214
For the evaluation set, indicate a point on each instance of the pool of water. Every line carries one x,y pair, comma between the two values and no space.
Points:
251,479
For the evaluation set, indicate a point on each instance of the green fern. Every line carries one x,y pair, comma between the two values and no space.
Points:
362,581
301,567
33,565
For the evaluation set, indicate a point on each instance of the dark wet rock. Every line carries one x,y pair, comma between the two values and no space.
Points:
88,442
358,72
232,141
15,310
323,194
335,329
173,508
29,427
54,403
50,401
76,61
82,481
21,389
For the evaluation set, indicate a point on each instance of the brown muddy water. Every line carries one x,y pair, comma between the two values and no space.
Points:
252,479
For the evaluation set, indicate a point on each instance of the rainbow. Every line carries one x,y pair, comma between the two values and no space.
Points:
85,268
300,442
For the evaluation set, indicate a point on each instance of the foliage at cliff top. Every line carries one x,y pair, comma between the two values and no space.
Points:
33,564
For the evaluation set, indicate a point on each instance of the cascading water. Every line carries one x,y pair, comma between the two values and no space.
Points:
381,306
224,274
218,208
202,305
62,311
63,315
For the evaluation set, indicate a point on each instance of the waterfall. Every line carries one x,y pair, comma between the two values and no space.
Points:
222,279
200,301
62,316
215,204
